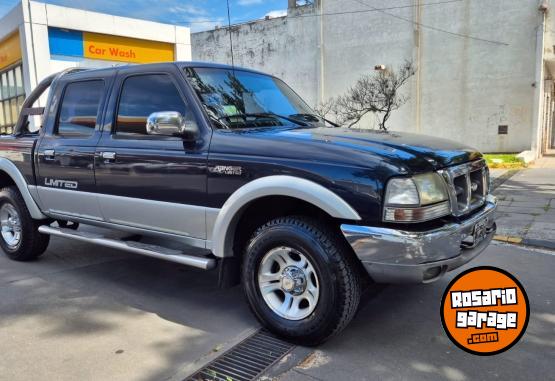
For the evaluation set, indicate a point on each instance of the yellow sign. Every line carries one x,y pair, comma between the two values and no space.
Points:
10,50
125,49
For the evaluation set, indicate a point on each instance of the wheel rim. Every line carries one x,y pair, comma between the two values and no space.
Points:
10,224
288,283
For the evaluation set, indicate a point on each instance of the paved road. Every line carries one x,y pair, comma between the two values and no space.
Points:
397,335
94,314
70,315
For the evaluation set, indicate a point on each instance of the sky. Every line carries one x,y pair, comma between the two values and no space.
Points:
196,14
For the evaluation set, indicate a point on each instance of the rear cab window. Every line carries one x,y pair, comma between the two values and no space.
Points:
80,108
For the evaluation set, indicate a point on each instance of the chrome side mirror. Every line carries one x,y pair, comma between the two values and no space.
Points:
171,123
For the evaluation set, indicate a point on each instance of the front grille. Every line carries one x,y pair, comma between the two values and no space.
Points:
468,186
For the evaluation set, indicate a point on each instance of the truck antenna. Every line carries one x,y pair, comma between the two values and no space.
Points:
230,38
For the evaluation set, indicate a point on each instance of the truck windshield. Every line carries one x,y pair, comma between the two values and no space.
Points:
242,99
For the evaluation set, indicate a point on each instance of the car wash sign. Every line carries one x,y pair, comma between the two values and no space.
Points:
10,50
72,43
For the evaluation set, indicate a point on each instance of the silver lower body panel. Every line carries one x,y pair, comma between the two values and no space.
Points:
190,241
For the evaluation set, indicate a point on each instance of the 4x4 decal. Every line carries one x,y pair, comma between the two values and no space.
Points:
226,170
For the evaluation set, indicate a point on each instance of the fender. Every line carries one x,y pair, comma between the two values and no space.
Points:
315,194
11,170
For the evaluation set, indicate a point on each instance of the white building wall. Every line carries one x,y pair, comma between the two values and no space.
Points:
464,89
471,87
285,47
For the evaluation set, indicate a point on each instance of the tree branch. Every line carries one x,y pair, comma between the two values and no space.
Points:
377,94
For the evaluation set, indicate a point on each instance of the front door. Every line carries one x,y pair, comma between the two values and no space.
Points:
151,182
65,181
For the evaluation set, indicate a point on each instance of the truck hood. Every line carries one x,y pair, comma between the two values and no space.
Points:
416,153
438,152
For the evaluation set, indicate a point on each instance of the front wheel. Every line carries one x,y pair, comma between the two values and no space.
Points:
301,280
19,235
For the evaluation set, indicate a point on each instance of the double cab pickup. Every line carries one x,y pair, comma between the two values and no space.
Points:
228,169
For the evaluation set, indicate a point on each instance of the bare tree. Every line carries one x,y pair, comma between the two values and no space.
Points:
376,93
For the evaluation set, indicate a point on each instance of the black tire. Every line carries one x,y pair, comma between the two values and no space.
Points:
335,266
31,243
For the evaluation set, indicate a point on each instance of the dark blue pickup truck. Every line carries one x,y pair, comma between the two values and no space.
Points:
233,163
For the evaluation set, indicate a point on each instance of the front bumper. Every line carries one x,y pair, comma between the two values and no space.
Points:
395,256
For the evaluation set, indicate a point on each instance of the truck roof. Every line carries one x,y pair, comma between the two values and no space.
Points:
80,71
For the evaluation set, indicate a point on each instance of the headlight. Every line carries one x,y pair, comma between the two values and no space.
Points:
431,188
416,199
402,191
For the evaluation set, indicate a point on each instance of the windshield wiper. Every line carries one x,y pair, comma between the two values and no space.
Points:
315,118
266,115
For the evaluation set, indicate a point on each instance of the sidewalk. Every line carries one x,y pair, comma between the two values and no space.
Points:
548,161
526,212
499,176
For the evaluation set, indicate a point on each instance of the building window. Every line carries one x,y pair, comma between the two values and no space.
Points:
12,95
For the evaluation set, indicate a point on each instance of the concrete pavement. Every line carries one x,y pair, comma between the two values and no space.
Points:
397,334
527,207
85,313
547,161
499,176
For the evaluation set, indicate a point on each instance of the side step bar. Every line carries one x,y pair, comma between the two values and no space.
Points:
133,247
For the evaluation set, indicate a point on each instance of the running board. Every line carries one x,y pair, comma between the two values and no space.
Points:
133,247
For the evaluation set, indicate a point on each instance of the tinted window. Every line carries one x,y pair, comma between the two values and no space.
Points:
80,108
141,96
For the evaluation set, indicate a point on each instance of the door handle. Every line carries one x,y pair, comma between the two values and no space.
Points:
49,154
108,156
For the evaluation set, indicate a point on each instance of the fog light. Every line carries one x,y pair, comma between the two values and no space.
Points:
432,273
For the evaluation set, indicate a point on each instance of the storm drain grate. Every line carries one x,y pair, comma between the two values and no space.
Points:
246,361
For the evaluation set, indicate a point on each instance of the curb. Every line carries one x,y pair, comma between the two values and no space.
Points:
508,239
544,244
539,243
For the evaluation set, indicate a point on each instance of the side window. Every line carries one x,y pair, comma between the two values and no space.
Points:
141,95
79,108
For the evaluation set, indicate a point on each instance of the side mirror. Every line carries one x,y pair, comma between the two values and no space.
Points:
171,123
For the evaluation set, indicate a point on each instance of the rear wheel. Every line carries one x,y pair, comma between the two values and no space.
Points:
19,238
301,280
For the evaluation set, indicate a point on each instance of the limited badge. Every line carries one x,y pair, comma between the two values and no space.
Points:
485,311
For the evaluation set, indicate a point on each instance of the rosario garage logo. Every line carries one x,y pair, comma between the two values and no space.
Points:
485,311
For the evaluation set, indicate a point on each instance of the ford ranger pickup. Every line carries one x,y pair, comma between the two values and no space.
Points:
228,169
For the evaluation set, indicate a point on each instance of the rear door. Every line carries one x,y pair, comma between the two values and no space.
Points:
156,183
65,155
